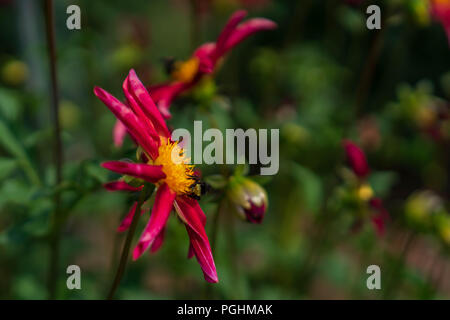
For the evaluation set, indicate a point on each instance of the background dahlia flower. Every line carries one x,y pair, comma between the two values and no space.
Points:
358,162
187,74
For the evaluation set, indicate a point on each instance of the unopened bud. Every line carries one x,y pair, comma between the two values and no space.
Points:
249,197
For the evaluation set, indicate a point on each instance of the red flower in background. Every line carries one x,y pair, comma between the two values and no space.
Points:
440,9
203,62
172,176
358,161
356,158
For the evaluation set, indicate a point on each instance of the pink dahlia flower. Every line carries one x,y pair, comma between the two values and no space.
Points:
172,177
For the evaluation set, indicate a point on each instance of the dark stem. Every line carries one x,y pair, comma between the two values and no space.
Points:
369,68
126,248
57,219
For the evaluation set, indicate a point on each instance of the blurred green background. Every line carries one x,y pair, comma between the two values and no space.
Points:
320,77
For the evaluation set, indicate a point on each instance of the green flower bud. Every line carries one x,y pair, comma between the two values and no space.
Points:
249,198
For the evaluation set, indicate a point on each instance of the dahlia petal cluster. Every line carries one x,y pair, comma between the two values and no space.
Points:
172,177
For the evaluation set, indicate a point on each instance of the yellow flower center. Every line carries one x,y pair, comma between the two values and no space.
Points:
176,167
185,71
365,192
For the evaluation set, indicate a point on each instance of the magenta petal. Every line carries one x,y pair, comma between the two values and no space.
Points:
148,106
195,220
138,110
379,225
126,222
202,252
129,120
248,28
159,240
204,53
356,158
119,133
120,186
381,216
160,213
191,252
139,170
165,93
227,31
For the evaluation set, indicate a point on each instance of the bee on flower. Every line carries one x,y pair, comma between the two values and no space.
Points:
161,162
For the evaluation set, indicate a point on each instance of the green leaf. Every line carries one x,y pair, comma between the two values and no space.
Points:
9,105
6,167
311,187
12,145
382,182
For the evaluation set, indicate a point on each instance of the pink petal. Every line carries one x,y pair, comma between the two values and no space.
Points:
160,213
356,158
120,186
195,219
191,252
441,11
129,120
126,222
165,93
205,55
381,216
246,29
227,31
139,170
158,241
137,109
119,133
142,96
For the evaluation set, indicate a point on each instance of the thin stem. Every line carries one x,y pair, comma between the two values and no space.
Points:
213,240
126,248
55,231
369,68
215,225
395,279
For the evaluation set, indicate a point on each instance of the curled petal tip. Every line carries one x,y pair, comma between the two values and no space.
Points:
213,279
136,253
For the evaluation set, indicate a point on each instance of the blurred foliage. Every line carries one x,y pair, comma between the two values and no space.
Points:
303,79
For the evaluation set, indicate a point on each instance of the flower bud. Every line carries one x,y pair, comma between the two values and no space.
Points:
443,227
15,72
249,198
420,206
356,159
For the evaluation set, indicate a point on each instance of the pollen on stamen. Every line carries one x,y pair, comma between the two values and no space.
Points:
176,166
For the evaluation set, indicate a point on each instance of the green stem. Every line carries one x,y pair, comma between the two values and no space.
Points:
395,277
213,240
126,248
57,220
